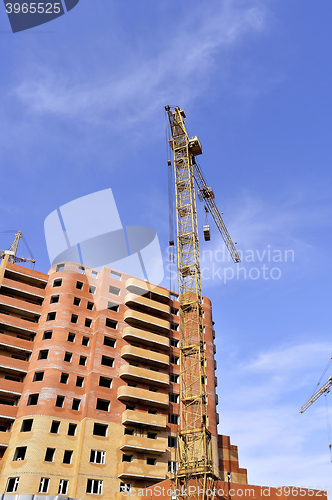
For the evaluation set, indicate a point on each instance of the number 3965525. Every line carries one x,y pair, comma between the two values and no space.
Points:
33,8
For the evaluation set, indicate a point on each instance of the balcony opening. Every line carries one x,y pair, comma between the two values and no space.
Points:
152,435
13,379
127,458
9,402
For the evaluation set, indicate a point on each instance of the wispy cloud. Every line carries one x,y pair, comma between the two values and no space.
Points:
139,87
260,410
284,223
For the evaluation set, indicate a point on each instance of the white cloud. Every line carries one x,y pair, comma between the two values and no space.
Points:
260,411
138,88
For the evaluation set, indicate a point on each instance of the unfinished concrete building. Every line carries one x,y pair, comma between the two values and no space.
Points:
89,383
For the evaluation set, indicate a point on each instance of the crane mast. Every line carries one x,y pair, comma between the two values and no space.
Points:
194,446
11,257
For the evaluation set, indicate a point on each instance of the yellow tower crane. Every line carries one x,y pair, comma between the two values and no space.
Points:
195,466
11,257
323,390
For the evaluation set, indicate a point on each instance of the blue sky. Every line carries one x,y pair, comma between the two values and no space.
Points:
82,109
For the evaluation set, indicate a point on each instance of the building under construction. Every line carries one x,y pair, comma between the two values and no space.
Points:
110,380
89,383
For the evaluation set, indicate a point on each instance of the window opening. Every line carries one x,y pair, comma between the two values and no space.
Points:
55,426
72,429
47,334
38,376
49,455
26,425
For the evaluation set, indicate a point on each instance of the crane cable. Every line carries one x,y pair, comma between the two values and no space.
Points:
171,209
328,426
329,435
319,381
172,275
